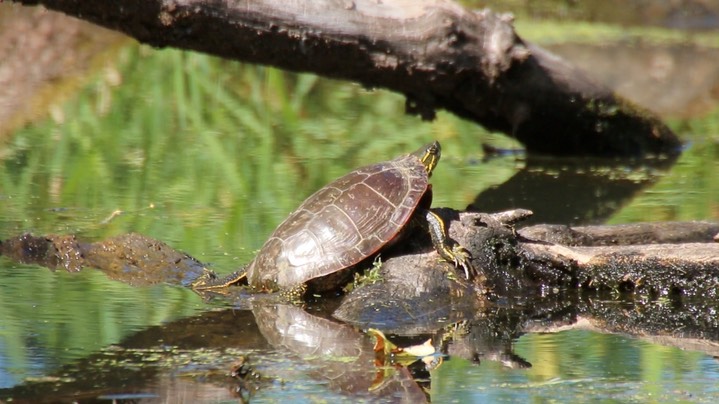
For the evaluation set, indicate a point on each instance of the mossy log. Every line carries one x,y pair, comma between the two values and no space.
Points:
654,259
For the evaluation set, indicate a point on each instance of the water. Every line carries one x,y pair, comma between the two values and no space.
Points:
209,163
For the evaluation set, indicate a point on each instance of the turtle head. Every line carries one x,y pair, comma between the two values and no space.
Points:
429,155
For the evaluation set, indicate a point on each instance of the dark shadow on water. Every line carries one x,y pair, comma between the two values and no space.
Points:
572,191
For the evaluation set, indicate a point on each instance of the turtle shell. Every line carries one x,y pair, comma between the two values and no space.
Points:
340,225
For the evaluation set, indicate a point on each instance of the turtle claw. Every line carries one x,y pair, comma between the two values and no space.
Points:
462,258
448,249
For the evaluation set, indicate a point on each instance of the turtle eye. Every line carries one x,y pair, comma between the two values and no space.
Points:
434,151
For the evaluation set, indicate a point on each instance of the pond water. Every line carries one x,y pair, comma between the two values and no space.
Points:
208,156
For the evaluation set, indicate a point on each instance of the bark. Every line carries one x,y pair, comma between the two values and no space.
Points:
436,53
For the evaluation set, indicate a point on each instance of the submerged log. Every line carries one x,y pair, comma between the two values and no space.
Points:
435,52
130,258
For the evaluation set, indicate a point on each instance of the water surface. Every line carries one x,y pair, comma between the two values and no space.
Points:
208,156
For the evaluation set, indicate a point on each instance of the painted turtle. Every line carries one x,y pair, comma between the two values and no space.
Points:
349,220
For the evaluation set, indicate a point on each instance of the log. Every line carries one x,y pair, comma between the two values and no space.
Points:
130,258
624,234
681,262
435,52
527,283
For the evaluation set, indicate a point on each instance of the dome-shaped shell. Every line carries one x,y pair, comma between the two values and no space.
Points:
343,223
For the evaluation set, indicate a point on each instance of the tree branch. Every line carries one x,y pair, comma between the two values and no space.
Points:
436,53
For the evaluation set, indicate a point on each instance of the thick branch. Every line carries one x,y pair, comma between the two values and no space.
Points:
437,53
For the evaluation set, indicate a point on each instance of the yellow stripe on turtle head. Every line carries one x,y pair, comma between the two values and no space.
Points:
429,155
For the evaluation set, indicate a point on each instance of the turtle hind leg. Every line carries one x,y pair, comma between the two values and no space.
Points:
209,280
448,249
294,294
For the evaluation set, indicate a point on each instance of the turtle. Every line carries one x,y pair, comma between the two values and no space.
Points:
347,221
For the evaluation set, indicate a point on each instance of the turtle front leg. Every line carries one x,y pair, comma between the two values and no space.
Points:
449,250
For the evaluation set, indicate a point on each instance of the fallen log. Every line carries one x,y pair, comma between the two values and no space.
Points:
624,234
510,262
435,52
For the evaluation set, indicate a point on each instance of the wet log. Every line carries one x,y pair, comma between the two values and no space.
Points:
653,259
664,290
435,52
624,234
672,260
130,258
